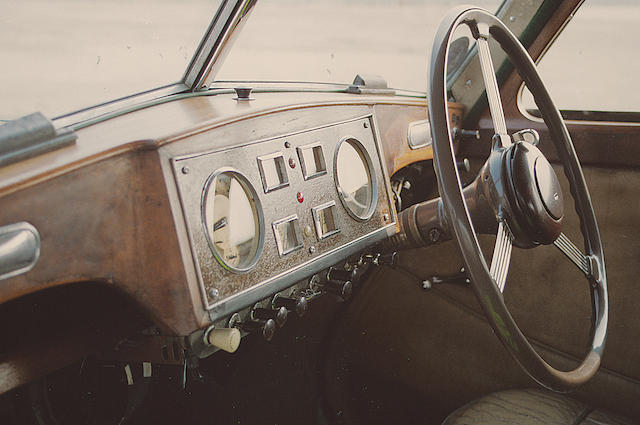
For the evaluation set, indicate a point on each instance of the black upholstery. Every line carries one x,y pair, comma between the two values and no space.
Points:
530,407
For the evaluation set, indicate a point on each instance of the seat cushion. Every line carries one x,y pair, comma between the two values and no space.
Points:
530,407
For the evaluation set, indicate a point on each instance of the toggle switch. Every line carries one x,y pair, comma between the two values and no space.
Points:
299,305
341,274
267,328
279,315
340,288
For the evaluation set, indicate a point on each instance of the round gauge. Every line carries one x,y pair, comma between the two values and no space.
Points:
354,179
233,220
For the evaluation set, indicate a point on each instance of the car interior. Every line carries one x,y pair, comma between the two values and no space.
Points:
255,252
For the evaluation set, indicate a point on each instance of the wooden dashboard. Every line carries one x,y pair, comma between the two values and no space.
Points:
109,210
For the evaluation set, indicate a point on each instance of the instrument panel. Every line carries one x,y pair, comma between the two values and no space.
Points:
264,214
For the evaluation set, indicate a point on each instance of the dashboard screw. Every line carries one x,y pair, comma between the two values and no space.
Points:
214,293
312,249
366,125
287,144
185,170
385,217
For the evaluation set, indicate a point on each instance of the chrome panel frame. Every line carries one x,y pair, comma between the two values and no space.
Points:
367,158
19,249
316,220
300,150
296,229
271,268
249,190
265,184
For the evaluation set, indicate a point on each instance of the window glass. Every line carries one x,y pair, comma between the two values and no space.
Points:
60,56
594,63
334,40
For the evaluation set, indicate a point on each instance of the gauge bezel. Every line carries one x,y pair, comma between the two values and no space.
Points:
364,154
254,200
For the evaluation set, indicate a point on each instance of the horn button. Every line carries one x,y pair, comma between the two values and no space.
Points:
536,196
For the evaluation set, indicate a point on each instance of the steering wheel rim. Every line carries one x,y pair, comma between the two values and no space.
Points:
484,25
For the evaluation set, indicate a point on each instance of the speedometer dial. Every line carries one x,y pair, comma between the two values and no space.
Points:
353,177
233,220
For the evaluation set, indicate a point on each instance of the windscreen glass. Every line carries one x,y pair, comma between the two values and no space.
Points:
61,56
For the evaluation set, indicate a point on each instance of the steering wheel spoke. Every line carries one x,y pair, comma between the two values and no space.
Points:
573,253
493,93
501,256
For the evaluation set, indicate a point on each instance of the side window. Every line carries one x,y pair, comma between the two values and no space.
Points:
594,64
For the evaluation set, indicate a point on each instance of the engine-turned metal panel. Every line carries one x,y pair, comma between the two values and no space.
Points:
281,188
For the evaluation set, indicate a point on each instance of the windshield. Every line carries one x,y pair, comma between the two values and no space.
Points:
333,41
60,56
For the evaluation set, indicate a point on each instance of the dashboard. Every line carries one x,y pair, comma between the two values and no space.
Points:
204,213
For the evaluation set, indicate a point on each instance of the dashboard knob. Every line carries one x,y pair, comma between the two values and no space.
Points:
279,315
299,305
389,258
267,328
227,339
340,288
341,275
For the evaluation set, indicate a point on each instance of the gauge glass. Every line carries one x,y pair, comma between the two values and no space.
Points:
233,220
353,179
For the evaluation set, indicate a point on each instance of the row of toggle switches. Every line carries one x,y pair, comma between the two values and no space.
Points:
265,321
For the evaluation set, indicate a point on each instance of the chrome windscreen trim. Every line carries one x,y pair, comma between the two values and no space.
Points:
224,28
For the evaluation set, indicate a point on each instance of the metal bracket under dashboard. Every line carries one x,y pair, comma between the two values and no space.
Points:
305,207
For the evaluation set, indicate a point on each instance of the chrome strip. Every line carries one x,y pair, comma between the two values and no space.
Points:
501,256
19,249
572,252
491,86
215,45
117,107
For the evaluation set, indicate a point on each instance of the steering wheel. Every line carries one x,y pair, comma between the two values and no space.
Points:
517,193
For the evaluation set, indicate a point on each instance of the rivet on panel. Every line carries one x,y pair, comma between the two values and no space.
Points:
214,293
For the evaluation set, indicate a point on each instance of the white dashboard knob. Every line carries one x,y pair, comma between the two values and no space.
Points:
227,339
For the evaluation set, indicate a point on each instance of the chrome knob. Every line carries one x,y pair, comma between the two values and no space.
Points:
339,288
279,315
267,328
299,305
